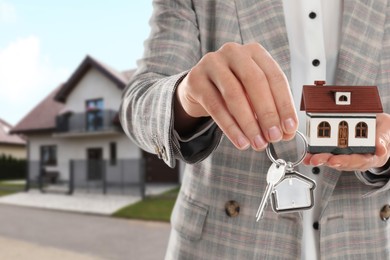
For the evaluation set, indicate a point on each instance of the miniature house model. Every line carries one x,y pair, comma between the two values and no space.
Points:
340,119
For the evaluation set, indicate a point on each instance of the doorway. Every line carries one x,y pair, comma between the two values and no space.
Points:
94,163
343,135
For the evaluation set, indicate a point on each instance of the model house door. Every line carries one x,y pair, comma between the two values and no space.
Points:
343,135
94,163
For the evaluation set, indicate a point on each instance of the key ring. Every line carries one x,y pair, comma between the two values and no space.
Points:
290,165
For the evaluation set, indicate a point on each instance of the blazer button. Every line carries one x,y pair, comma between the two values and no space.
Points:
232,208
385,212
315,170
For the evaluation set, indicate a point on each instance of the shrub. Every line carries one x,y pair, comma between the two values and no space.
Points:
12,168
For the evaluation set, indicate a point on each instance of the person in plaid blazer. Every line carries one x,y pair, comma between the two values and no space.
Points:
196,49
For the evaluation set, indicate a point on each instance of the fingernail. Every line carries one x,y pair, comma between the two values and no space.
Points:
242,142
289,125
259,142
274,133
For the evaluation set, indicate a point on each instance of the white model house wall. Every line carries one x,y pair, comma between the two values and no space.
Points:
352,120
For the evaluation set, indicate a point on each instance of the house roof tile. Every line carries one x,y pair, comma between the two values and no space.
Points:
321,99
42,117
7,138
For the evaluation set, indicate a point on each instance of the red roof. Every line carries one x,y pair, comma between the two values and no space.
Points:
321,99
7,138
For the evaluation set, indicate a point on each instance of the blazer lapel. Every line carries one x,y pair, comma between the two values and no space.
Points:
263,22
361,43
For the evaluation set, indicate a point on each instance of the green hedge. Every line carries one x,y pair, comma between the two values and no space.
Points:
11,168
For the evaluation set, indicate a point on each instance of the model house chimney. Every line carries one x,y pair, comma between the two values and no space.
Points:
319,83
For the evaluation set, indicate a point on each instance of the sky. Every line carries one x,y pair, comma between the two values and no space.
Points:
42,42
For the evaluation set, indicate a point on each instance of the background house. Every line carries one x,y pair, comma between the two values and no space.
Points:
74,134
11,145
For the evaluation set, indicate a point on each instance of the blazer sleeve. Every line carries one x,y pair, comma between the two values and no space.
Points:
146,111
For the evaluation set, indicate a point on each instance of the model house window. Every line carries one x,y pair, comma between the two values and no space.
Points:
361,130
94,108
49,155
113,153
343,98
323,129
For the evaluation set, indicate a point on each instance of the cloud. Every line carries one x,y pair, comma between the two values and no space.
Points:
7,12
26,76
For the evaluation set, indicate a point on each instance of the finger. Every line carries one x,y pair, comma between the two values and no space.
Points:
257,89
352,162
216,108
238,105
318,159
279,88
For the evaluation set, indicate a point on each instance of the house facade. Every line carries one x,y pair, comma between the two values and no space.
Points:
74,133
11,145
340,119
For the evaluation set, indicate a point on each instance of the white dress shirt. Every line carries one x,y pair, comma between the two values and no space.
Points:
314,33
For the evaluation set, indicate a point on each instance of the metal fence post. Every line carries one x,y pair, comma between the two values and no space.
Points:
41,178
71,177
104,177
142,173
27,186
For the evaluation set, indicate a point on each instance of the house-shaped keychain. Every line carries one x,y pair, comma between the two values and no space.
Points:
340,119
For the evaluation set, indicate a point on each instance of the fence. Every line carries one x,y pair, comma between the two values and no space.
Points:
124,176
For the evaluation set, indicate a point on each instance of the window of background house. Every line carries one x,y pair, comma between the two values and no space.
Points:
323,129
94,108
113,155
361,130
49,155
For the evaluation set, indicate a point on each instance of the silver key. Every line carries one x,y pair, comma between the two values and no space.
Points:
274,176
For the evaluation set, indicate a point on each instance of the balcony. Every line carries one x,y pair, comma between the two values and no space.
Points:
100,122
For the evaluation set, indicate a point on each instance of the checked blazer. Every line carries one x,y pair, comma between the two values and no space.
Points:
214,214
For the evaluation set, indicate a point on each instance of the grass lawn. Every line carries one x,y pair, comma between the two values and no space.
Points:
157,208
7,188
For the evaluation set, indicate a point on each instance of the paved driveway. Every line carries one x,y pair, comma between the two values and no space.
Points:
29,233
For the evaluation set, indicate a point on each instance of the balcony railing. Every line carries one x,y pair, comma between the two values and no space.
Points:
88,122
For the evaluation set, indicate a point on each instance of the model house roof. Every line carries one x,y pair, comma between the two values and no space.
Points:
321,98
7,138
42,117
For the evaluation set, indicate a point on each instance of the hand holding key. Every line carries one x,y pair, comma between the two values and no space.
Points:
244,90
275,174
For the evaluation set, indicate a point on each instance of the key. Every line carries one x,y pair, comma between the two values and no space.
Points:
274,175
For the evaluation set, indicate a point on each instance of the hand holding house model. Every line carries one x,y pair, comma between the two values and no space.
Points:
340,119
